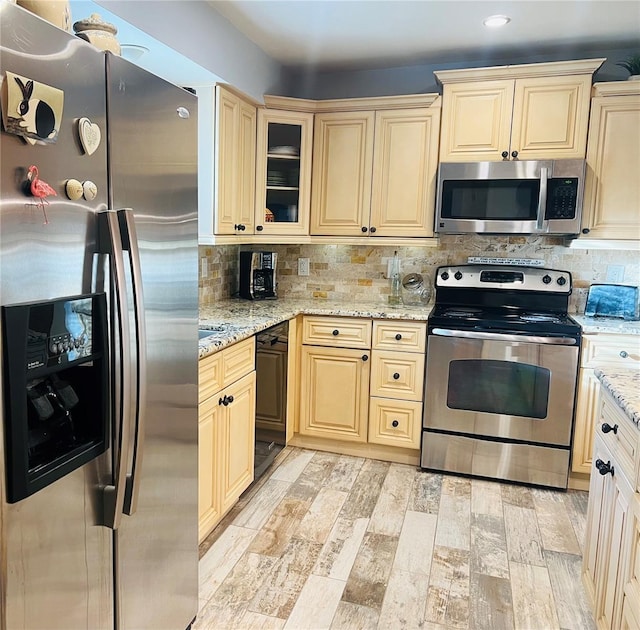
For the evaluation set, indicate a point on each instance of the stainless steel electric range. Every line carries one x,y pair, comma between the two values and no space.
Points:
501,375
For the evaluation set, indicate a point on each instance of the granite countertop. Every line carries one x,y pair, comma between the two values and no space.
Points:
233,320
592,325
624,386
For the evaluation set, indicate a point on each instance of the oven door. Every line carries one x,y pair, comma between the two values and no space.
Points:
501,386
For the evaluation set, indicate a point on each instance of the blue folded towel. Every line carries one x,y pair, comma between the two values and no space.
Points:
612,300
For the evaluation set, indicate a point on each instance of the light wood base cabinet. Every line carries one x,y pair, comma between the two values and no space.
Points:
612,534
226,431
354,394
597,350
334,393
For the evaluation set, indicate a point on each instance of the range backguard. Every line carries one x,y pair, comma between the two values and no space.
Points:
56,389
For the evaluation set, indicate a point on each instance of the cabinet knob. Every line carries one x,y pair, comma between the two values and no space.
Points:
398,337
240,227
396,376
230,399
225,400
624,354
373,230
364,228
586,230
365,357
395,423
336,332
604,469
505,154
607,428
259,228
514,154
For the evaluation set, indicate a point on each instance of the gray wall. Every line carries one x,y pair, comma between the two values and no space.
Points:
196,30
419,78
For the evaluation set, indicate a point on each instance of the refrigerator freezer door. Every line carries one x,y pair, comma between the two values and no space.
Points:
55,558
153,159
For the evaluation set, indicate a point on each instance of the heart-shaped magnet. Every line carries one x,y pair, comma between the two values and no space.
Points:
90,135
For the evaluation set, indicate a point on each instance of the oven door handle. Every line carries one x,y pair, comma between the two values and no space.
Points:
468,334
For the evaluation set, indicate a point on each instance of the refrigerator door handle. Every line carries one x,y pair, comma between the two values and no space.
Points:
130,242
110,243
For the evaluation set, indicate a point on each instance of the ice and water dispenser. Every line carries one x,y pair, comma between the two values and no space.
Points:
56,383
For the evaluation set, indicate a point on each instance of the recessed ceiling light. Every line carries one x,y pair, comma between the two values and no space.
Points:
493,21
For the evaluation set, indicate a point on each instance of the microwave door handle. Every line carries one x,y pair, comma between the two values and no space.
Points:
130,243
542,200
110,244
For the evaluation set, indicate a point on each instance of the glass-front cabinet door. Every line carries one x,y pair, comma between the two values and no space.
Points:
283,172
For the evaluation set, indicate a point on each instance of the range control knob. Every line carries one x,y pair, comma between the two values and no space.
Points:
444,275
561,281
457,275
546,279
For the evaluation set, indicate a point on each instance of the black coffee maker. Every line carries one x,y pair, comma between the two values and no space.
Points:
258,275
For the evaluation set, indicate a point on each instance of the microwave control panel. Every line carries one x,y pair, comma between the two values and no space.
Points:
562,198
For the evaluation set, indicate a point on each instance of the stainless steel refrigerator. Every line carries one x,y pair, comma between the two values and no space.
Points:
98,311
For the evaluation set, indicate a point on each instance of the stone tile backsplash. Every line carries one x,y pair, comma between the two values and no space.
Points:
358,272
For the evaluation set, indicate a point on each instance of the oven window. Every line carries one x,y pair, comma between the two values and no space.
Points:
502,387
482,200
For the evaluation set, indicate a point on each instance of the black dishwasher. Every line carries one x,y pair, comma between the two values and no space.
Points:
271,395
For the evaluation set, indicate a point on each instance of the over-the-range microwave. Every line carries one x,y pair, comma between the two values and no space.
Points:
511,197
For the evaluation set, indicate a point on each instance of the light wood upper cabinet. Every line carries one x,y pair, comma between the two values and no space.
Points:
234,162
374,169
405,161
342,171
612,188
526,112
476,120
283,172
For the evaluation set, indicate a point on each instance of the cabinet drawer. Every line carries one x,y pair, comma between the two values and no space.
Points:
238,360
402,336
622,439
340,332
209,376
622,350
395,422
397,375
225,367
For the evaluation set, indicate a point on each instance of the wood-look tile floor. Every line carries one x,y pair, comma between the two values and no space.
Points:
340,542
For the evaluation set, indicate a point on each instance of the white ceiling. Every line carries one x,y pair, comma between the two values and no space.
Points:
361,33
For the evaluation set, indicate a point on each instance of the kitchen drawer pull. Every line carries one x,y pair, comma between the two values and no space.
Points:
604,469
395,423
336,332
365,357
624,354
398,337
396,376
606,428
